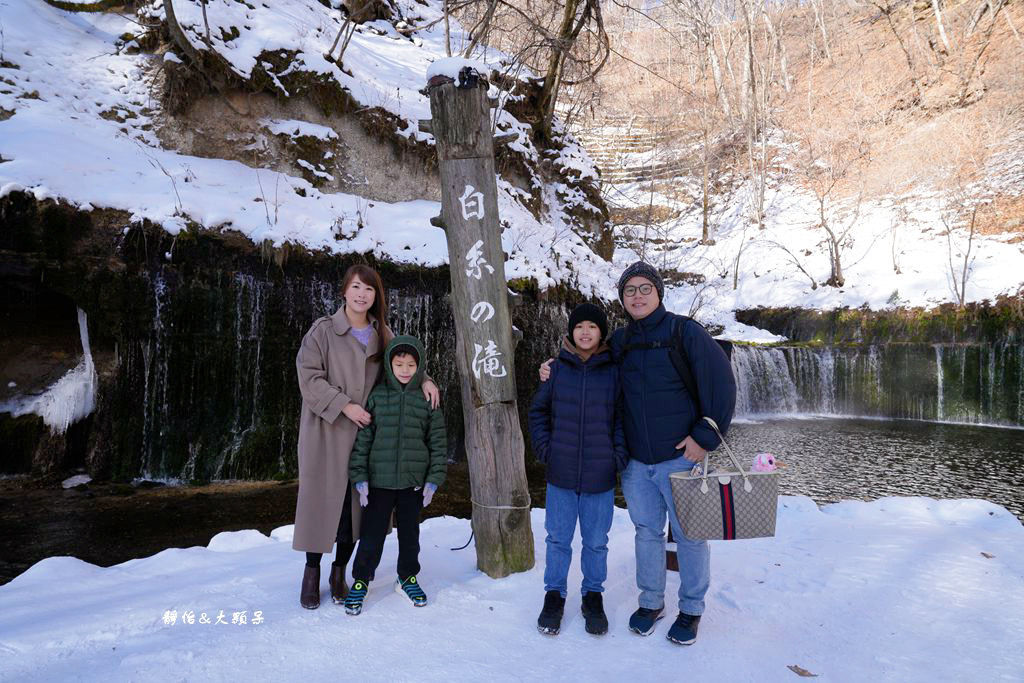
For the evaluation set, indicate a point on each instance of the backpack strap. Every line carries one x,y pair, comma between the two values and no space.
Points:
681,361
676,353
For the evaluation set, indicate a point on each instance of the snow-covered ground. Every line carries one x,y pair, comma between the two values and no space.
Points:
899,589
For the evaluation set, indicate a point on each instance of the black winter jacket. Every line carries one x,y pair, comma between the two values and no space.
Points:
659,412
575,423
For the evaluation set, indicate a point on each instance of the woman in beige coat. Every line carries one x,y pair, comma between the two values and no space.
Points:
337,364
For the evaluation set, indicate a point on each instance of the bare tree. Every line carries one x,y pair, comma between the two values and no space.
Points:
481,28
969,60
819,21
937,10
794,259
576,15
959,250
888,9
347,30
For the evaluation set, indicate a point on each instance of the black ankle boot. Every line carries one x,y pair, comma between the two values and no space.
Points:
593,614
339,589
310,595
550,620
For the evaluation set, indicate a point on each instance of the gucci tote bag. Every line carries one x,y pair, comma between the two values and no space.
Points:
725,504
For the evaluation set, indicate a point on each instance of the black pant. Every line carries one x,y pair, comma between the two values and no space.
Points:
407,504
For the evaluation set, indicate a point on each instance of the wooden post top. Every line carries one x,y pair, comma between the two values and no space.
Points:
460,112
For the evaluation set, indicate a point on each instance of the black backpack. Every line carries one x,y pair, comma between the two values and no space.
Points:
677,354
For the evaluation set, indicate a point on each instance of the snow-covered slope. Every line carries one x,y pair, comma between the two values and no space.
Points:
900,589
896,253
80,112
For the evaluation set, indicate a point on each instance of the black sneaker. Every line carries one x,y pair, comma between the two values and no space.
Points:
643,620
593,614
355,596
411,589
684,630
550,620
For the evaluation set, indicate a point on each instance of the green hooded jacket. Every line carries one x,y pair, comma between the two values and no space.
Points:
405,445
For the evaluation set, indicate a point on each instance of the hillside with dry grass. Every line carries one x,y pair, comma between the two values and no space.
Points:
849,99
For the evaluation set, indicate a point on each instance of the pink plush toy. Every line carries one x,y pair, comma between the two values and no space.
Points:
763,462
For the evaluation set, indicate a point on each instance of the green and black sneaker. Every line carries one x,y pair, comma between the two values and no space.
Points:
356,595
410,588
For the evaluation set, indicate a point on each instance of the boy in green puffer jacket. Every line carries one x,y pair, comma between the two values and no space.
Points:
397,463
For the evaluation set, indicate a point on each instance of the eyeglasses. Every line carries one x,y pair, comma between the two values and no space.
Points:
630,290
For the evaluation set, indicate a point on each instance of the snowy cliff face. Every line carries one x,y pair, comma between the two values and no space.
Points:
194,358
198,197
250,127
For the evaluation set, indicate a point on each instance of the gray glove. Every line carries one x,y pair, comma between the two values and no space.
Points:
428,493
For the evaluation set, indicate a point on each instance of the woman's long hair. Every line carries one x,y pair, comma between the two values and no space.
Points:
379,309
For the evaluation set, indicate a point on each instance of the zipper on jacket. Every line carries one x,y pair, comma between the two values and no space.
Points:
643,394
583,415
398,443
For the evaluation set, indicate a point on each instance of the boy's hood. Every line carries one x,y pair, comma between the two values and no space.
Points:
421,363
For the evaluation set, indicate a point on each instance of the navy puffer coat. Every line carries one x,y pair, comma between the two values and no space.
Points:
659,412
576,423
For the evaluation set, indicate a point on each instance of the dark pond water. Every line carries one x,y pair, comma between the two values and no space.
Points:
828,459
832,459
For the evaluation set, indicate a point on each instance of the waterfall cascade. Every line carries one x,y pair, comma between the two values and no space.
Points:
972,383
208,391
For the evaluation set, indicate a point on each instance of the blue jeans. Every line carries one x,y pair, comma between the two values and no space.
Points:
648,497
594,510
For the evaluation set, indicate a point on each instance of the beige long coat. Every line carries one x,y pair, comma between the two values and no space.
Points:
334,369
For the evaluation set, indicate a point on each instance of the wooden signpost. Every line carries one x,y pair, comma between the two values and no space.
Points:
460,123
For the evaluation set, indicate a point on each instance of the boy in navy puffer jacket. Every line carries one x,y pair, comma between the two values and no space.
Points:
576,428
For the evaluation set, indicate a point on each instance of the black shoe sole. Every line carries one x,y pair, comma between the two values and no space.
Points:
595,629
681,642
649,631
548,631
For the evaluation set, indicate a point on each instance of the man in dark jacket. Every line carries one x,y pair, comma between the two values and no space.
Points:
665,433
576,428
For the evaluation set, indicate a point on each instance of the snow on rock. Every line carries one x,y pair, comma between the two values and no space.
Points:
236,541
296,129
907,589
76,480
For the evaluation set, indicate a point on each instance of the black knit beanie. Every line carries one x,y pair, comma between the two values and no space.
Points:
589,312
404,348
646,271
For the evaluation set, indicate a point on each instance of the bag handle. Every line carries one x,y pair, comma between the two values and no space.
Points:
732,456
